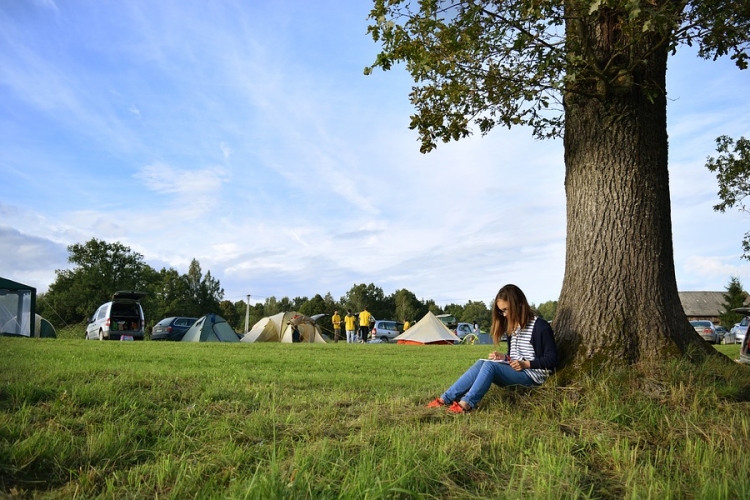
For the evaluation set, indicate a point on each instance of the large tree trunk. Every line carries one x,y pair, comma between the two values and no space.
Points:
619,301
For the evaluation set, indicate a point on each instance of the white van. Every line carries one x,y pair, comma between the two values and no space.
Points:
120,319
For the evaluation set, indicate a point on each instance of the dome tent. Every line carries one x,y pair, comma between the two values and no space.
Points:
44,328
278,328
211,328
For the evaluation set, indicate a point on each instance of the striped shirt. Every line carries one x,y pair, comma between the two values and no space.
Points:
522,350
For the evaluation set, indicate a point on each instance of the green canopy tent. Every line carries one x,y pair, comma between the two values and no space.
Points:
17,309
211,328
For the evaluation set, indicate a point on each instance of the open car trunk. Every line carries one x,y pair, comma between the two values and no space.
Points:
125,318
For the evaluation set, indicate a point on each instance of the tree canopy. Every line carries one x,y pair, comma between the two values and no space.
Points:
511,62
732,168
102,268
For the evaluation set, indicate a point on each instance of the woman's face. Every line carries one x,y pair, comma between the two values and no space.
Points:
502,306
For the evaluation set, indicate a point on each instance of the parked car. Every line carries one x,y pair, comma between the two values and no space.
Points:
448,320
744,352
120,319
707,330
725,336
172,328
462,329
740,329
386,330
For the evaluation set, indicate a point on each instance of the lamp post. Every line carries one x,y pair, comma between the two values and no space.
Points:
247,315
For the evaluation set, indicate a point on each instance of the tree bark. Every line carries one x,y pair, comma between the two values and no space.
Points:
619,232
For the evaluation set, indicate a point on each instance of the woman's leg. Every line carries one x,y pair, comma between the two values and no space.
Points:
463,384
501,374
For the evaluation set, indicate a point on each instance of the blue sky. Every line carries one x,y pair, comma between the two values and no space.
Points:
245,135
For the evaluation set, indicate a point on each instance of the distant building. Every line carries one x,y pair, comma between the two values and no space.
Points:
703,305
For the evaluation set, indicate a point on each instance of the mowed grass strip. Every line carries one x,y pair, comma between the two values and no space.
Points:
87,419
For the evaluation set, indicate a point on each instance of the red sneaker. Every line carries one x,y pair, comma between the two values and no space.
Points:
436,403
457,408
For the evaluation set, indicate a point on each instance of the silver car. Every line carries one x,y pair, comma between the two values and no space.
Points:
386,330
740,329
120,319
725,336
706,330
744,351
463,329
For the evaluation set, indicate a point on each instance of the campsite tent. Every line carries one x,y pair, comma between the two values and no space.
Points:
17,308
211,328
428,330
44,329
278,328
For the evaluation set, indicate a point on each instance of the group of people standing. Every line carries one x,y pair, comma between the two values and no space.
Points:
357,327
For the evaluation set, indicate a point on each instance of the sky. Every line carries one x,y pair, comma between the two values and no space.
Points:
245,135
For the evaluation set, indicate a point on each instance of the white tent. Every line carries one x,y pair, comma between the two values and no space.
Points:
428,330
278,328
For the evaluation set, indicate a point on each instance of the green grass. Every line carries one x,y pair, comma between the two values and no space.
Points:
86,419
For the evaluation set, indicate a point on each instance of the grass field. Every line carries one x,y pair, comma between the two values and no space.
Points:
86,419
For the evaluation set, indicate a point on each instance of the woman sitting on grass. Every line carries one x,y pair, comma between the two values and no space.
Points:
532,354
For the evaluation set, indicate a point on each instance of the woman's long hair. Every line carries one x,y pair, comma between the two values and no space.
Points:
519,312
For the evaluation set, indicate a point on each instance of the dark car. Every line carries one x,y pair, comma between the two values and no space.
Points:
173,328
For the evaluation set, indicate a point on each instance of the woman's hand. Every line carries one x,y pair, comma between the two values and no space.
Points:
519,365
498,356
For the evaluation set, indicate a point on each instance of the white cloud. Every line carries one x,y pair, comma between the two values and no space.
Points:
30,259
164,179
49,4
226,150
716,271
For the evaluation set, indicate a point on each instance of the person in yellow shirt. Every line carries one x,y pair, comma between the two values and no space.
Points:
364,324
350,325
406,324
336,320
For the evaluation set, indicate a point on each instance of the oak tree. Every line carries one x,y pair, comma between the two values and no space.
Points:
594,73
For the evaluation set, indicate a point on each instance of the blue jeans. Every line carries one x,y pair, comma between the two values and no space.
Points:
476,381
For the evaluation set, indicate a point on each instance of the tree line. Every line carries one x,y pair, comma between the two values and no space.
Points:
101,268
